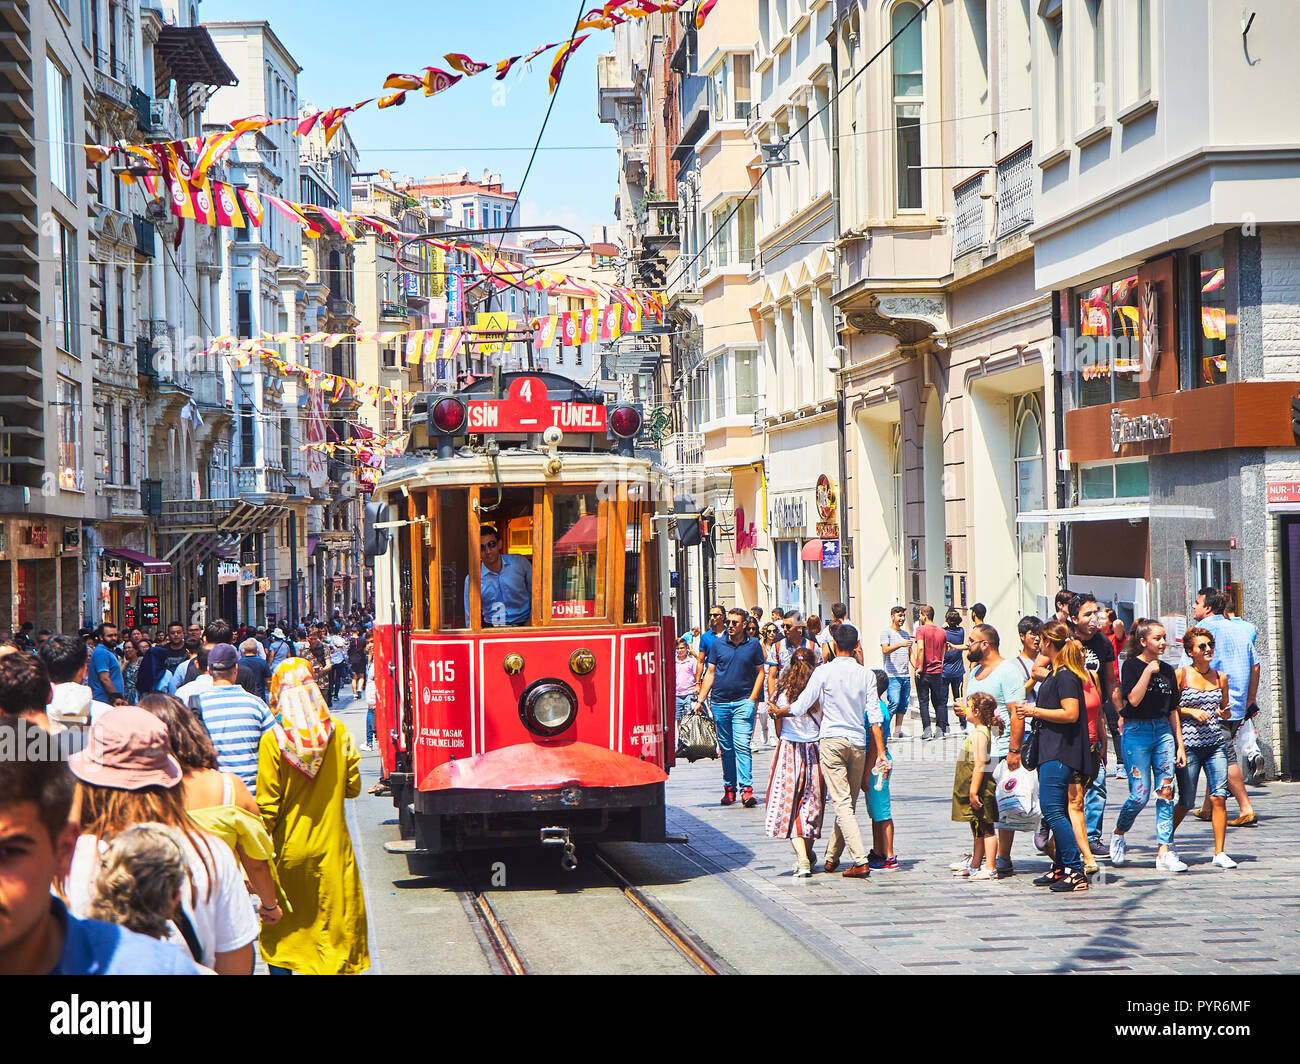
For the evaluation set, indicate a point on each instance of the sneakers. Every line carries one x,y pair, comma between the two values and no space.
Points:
1222,860
857,871
367,746
1050,878
875,860
891,864
957,866
1169,862
1119,771
728,796
1118,850
802,871
900,734
747,798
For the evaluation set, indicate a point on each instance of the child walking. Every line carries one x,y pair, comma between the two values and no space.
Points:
796,796
974,791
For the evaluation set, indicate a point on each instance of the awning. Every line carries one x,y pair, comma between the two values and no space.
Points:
312,543
581,538
1135,511
190,55
812,551
152,566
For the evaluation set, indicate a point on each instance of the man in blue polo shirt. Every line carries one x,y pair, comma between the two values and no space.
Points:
734,679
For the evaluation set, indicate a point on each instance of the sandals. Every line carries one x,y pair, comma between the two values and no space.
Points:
1243,821
1070,883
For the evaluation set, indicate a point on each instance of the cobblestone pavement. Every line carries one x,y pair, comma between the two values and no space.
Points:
920,919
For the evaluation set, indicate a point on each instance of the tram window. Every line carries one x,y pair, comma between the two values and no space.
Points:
505,564
632,564
578,529
453,555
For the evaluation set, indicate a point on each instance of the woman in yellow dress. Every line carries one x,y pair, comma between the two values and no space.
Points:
308,764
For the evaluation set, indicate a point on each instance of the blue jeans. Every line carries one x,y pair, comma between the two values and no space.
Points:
898,695
1214,759
1149,747
370,726
1094,804
683,705
1054,798
735,722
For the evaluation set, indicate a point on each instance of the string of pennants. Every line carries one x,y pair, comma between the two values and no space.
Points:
432,80
171,175
425,345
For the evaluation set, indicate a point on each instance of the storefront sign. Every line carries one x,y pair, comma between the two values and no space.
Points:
38,535
112,568
828,530
134,578
1140,429
825,498
149,610
247,575
263,585
227,570
788,511
830,554
128,618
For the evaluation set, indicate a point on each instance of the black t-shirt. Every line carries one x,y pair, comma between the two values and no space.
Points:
1097,651
1066,743
1162,690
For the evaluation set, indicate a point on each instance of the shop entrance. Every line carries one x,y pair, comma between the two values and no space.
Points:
1290,537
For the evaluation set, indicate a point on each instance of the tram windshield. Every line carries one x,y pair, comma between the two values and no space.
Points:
539,556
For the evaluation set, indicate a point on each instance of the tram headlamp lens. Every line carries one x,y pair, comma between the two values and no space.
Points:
449,415
625,421
548,707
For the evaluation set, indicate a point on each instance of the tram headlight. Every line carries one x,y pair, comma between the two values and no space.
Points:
547,707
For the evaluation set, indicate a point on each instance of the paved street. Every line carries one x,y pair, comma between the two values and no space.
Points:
733,887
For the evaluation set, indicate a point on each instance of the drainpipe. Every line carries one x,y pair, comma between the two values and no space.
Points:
1058,424
841,432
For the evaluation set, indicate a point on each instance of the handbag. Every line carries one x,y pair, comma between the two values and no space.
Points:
1029,747
697,737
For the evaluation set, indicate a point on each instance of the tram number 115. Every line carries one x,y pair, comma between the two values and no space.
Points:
442,671
645,663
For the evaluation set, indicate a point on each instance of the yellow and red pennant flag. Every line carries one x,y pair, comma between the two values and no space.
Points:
201,196
587,326
393,99
432,338
611,321
503,67
703,12
252,205
561,58
568,330
414,346
403,81
227,206
632,318
465,64
436,81
545,335
452,344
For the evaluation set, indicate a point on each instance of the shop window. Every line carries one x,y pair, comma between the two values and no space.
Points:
1108,353
787,573
1210,352
71,475
1113,481
1030,495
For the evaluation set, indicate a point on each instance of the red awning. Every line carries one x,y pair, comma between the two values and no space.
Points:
152,566
581,537
812,551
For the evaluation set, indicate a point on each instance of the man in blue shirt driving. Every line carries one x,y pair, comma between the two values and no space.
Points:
505,583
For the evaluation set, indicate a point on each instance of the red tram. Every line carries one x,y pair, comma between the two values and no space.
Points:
534,705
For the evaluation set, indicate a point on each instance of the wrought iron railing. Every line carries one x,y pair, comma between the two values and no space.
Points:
1016,190
968,221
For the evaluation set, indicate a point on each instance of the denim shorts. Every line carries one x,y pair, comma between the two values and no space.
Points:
879,807
1214,759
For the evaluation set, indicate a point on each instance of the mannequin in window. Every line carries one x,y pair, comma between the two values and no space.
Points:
505,582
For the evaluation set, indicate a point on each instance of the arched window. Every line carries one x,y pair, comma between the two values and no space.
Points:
1027,424
908,92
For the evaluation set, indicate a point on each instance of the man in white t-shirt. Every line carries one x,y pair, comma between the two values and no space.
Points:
202,682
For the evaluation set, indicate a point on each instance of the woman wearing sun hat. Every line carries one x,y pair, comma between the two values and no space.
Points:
126,776
308,764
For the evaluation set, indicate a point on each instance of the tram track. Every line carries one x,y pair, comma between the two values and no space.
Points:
506,957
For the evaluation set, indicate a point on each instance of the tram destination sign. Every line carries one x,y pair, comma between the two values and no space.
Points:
527,408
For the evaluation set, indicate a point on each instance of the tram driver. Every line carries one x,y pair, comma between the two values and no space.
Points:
505,583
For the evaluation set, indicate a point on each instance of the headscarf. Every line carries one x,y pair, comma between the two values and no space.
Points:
303,724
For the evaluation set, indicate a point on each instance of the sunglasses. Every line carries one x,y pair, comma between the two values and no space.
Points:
732,620
1204,646
489,545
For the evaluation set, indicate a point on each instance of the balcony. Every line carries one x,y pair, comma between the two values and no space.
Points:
258,480
683,454
144,362
968,225
759,416
1016,190
391,309
661,221
165,118
695,113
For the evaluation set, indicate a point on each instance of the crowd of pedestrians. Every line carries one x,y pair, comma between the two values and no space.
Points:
1042,723
185,803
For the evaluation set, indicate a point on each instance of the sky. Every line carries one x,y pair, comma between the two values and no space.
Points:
347,49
